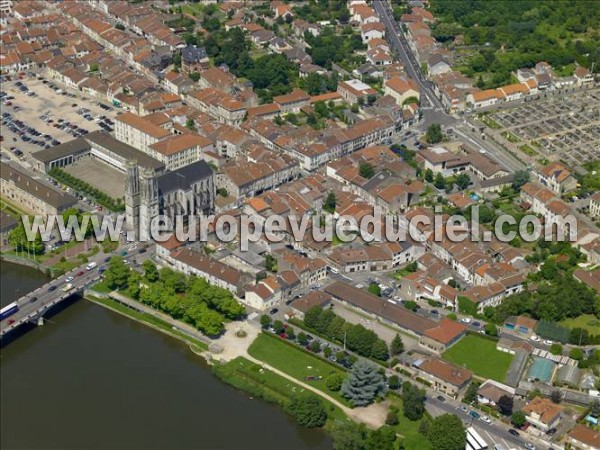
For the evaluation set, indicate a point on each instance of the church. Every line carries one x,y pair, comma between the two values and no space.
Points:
178,194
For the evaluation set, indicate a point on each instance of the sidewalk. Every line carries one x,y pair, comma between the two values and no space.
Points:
233,346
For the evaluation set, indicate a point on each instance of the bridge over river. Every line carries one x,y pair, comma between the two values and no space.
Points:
31,307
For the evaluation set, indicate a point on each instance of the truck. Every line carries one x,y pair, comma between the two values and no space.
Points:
91,266
67,287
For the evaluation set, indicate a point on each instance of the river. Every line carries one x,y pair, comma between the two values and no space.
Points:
90,378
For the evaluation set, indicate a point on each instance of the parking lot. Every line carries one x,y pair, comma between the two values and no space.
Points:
563,128
37,114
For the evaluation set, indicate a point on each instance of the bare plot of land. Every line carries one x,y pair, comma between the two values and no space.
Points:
100,175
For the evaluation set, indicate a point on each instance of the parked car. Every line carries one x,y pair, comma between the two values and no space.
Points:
474,414
273,311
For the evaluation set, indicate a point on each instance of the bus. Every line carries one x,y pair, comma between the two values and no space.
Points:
8,310
474,440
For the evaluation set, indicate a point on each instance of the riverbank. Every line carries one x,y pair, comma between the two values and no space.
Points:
14,259
196,346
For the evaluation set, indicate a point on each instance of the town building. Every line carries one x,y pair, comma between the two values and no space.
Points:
583,438
445,377
32,195
542,413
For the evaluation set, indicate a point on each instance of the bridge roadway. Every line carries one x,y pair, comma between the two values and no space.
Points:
31,311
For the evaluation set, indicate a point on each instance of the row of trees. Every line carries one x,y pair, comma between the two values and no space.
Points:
189,299
357,338
87,189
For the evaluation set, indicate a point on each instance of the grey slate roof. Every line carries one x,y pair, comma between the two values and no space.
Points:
183,178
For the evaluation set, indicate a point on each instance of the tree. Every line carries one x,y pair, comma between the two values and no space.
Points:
327,352
17,238
576,354
321,109
392,417
190,124
414,401
462,181
117,273
383,438
410,304
439,181
289,332
150,271
334,382
393,382
380,350
429,175
330,203
595,408
302,339
518,419
505,405
133,285
491,329
375,289
447,432
434,133
311,317
265,321
366,170
471,394
556,349
315,346
364,384
556,396
349,435
120,26
308,410
520,178
278,327
397,346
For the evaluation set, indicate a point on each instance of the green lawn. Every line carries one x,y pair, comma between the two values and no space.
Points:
412,439
480,356
586,321
294,362
490,122
528,150
249,377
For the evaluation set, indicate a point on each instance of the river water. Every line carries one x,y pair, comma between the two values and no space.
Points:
90,378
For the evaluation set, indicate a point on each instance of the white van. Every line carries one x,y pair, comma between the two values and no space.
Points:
91,266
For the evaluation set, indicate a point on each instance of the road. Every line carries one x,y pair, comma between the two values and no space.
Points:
45,299
497,153
433,109
493,433
41,299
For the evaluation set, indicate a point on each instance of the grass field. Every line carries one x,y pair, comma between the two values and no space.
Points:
249,377
480,356
294,362
586,321
411,438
